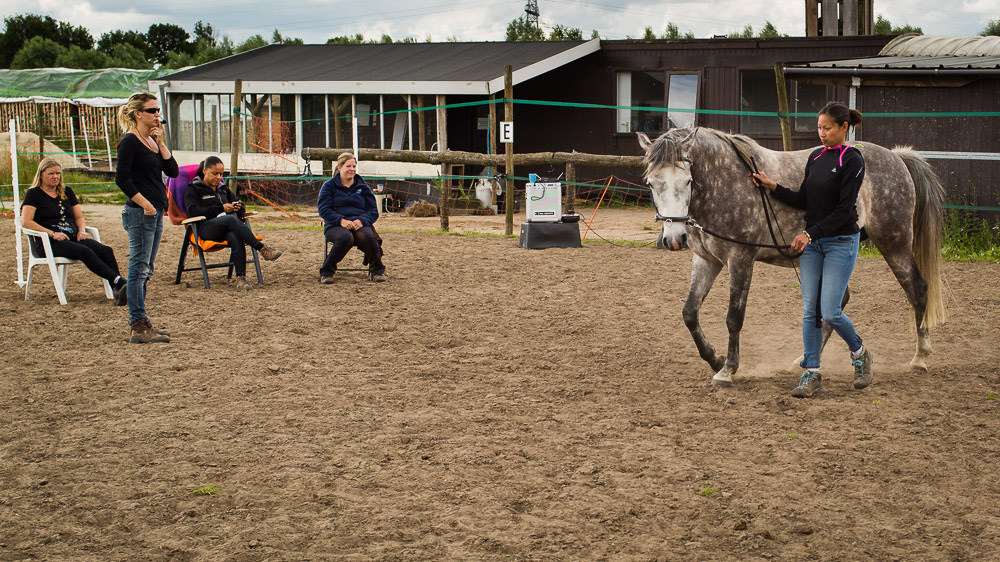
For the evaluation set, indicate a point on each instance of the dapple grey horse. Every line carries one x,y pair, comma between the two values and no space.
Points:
699,184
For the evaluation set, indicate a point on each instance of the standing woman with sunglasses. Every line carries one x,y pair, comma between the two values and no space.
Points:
143,158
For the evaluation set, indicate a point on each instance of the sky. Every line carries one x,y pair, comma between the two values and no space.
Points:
315,21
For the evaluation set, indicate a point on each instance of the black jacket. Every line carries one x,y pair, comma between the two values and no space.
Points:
202,200
829,192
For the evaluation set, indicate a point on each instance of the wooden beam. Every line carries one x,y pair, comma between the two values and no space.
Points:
442,142
478,159
786,125
508,115
235,128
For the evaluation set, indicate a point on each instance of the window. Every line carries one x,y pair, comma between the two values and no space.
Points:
659,89
809,98
339,111
396,124
367,108
758,93
314,121
181,121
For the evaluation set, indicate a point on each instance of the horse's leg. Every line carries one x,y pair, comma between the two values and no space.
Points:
740,274
703,274
827,330
904,267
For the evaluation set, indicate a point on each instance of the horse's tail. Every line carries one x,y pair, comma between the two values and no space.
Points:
928,224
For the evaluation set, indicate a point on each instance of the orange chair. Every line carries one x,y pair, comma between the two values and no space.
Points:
176,188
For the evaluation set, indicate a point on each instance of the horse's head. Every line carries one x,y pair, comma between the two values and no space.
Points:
668,172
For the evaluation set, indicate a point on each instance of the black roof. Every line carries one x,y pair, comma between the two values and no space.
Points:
421,62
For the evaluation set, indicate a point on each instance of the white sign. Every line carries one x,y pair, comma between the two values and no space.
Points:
506,131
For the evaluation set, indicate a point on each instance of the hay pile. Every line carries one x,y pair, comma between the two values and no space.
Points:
422,209
27,144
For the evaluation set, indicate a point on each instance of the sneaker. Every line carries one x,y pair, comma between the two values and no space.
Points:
326,279
377,277
142,332
241,283
120,293
863,369
809,384
269,253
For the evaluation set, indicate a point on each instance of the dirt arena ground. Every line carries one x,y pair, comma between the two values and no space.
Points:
487,402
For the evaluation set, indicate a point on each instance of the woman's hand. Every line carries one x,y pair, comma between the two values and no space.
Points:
81,234
349,225
800,242
760,178
59,235
229,207
357,224
149,209
157,134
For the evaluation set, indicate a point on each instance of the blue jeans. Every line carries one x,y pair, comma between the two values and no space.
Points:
826,266
144,233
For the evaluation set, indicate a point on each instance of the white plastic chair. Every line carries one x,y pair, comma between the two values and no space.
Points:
57,266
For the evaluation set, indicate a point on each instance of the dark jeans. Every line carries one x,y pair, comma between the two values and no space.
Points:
342,241
96,256
229,228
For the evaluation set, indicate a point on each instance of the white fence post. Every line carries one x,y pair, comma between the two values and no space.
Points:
83,125
72,140
17,202
107,142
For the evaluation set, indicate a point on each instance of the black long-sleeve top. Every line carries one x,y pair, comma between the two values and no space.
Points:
140,170
829,192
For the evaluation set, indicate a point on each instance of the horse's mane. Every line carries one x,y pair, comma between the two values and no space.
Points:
670,147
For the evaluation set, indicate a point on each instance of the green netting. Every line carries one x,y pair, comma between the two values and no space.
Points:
64,83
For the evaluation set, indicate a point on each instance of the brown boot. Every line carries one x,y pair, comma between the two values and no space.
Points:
142,332
156,330
269,253
241,283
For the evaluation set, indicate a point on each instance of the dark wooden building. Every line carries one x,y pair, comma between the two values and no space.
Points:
955,77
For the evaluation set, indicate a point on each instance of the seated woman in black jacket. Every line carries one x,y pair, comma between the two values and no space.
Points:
208,196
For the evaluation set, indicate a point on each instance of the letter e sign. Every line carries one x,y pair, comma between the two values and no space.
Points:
506,131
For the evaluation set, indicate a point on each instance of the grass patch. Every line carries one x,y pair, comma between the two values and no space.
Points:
877,401
708,490
790,435
209,490
969,237
864,437
991,396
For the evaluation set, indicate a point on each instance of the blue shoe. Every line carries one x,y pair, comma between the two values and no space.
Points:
863,370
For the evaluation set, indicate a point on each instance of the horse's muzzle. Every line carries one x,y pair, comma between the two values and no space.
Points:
673,242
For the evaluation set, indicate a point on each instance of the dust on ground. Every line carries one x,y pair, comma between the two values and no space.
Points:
487,402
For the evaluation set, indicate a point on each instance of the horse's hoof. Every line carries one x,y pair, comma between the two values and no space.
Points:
917,369
722,384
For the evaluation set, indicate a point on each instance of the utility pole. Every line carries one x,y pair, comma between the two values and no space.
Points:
531,13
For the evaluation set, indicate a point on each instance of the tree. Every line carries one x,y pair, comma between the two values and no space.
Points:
108,41
563,33
747,33
165,38
252,42
128,56
673,32
594,34
647,34
521,30
992,28
208,53
204,32
277,38
769,31
177,60
37,52
352,39
89,59
883,27
20,29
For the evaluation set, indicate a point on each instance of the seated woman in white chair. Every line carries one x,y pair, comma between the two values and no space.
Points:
51,207
208,196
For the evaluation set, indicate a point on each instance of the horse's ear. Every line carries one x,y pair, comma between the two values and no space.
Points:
643,140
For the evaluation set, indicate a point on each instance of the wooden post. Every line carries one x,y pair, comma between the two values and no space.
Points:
508,115
40,129
442,139
235,129
492,148
421,124
786,126
328,167
570,202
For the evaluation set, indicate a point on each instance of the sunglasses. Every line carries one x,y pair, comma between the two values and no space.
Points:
151,110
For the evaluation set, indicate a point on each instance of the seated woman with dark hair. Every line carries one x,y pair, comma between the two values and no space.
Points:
51,207
208,196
